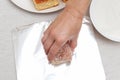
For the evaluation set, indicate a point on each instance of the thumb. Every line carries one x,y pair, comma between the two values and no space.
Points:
73,43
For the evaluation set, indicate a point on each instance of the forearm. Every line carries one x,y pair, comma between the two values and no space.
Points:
77,8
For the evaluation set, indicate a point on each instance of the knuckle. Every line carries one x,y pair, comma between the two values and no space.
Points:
45,32
60,40
52,33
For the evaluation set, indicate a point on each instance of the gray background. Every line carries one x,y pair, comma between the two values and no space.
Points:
12,16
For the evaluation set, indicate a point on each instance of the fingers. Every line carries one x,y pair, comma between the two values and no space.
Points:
54,43
73,43
55,48
48,43
46,34
44,38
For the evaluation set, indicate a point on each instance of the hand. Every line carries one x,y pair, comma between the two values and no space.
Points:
65,28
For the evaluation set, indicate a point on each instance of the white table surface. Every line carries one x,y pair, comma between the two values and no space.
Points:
12,16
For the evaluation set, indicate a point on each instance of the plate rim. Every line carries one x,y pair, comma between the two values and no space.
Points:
95,25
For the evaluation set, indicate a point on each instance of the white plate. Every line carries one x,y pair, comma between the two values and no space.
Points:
29,6
105,15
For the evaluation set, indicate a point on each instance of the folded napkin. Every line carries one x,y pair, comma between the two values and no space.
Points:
32,63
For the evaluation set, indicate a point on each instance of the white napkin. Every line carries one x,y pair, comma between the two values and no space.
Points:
32,63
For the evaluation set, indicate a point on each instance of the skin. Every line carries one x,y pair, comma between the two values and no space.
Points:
65,28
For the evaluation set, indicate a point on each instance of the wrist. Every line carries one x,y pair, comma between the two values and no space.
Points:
74,12
78,7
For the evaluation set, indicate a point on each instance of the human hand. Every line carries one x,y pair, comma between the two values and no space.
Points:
65,28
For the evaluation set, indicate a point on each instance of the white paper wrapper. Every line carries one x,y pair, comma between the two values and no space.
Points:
32,63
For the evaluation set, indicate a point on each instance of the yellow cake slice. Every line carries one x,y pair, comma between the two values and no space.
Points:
45,4
64,0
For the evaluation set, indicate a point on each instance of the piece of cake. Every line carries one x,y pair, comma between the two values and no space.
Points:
45,4
64,0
